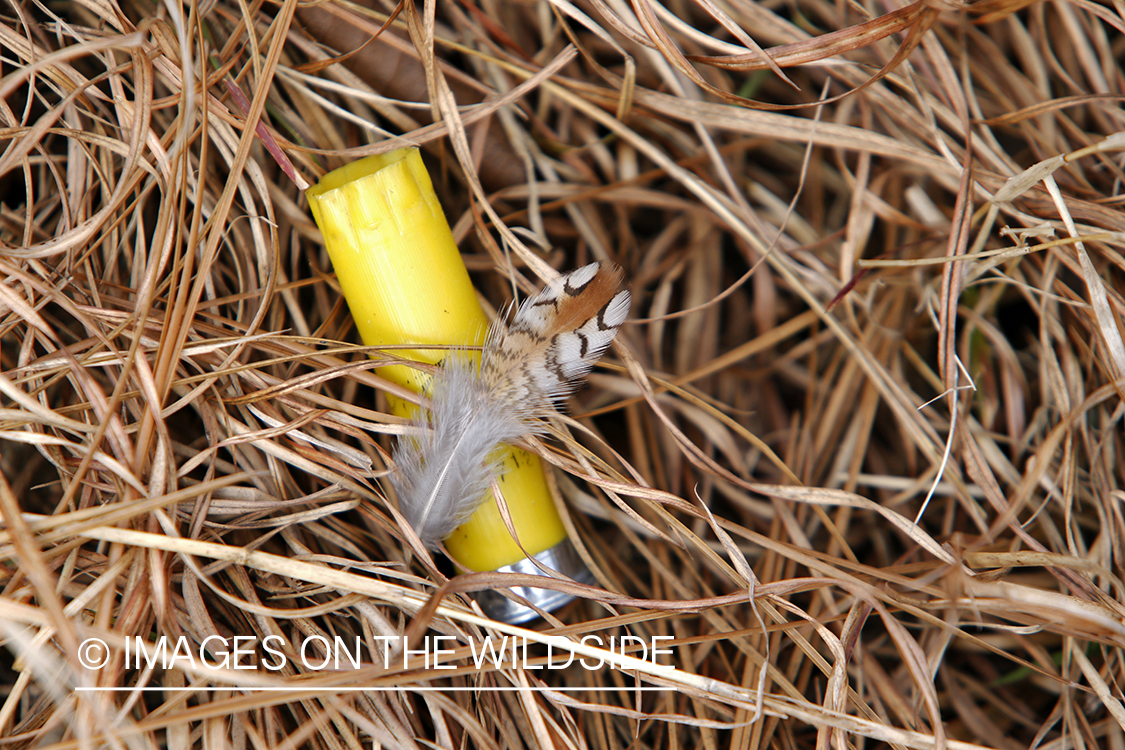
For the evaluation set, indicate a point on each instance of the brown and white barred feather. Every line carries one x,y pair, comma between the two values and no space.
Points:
555,336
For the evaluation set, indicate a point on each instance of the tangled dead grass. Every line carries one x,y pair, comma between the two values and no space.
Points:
875,274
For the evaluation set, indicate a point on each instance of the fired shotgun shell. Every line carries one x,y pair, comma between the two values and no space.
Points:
405,283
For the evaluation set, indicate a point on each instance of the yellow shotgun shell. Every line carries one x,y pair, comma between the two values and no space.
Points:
405,282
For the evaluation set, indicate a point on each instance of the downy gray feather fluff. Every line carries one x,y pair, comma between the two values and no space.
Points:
443,474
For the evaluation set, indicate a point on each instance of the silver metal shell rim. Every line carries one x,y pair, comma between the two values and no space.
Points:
562,558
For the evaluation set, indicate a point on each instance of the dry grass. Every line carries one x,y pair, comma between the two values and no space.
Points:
843,312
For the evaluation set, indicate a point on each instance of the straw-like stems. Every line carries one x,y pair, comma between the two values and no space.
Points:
909,291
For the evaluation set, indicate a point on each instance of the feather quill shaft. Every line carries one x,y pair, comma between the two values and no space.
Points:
443,474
